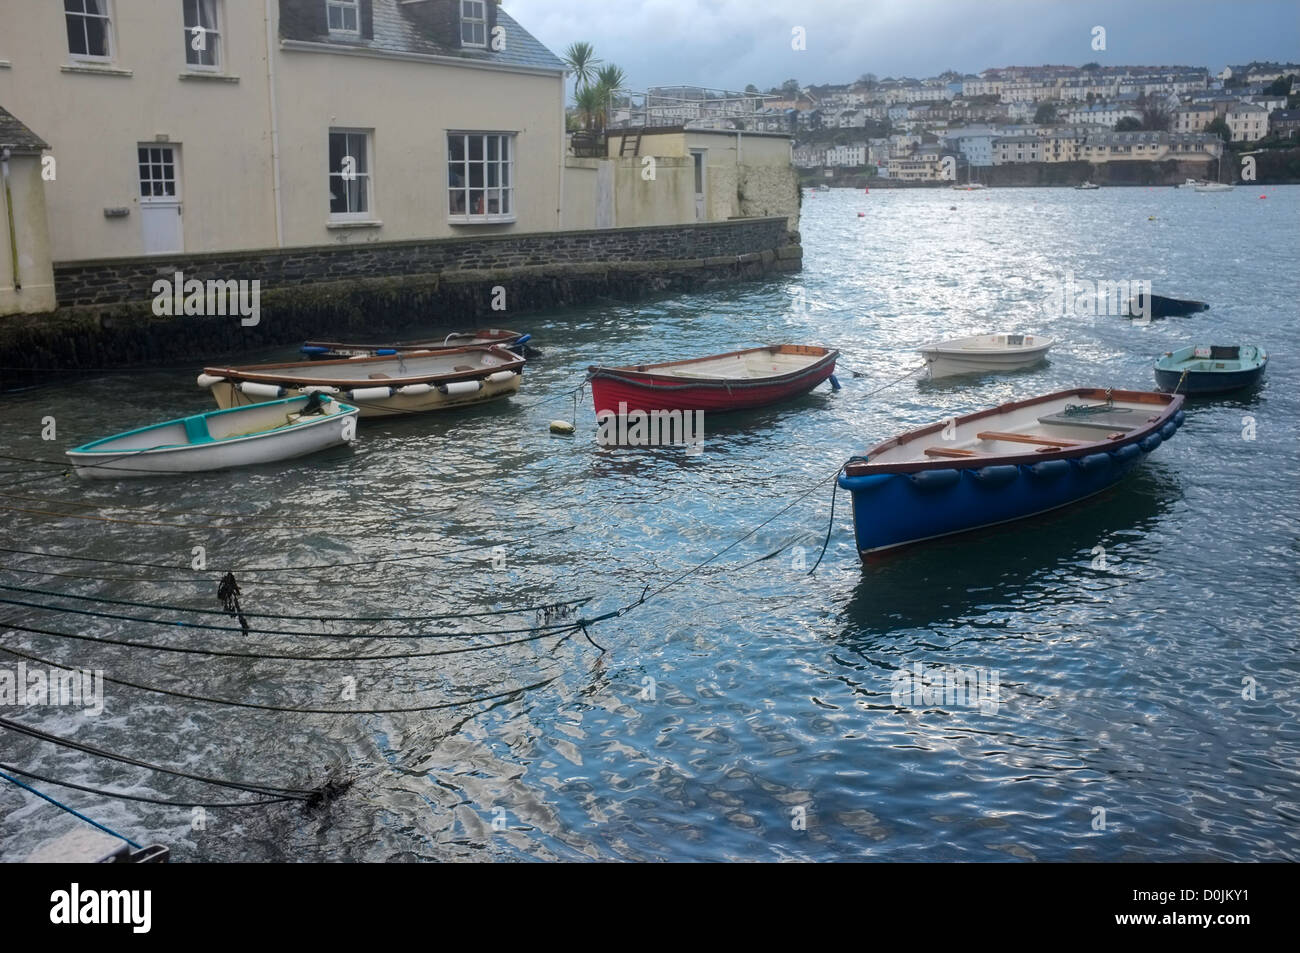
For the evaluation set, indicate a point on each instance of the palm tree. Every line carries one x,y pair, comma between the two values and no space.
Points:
581,60
609,80
590,101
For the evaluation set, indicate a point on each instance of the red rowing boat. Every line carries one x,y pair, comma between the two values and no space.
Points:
721,382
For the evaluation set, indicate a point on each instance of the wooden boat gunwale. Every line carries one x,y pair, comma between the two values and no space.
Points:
643,374
264,373
502,337
1171,403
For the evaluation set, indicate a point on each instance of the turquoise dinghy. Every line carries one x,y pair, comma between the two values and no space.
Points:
259,433
1210,368
1002,464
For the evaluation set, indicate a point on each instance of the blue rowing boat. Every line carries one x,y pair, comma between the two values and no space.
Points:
1210,368
1003,464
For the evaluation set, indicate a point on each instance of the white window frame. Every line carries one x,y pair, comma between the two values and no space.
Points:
474,22
110,41
212,37
368,215
343,6
506,187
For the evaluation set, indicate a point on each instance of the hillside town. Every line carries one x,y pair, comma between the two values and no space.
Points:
903,128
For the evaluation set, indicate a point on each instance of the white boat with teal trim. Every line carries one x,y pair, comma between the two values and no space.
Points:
261,433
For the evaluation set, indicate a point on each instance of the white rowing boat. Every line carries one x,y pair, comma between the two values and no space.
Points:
263,433
985,353
408,383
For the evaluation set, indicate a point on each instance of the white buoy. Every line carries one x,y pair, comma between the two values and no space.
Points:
562,427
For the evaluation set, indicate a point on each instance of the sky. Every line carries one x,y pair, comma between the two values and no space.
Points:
730,43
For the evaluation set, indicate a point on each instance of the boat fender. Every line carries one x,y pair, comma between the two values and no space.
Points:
414,390
996,476
835,384
1093,461
1179,418
254,389
460,387
1168,430
869,481
385,351
207,380
935,479
319,389
371,393
313,349
522,339
1125,453
500,377
1149,442
1050,469
562,427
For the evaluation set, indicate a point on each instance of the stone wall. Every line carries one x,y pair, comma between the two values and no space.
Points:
106,316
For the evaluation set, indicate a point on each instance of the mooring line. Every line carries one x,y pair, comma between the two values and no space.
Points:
75,813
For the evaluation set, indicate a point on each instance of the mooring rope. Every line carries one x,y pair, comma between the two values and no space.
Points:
122,796
75,813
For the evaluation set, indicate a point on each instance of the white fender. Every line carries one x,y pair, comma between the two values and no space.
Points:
254,389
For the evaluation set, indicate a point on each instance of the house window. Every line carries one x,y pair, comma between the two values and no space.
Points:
90,29
343,16
473,22
202,34
157,171
349,179
480,177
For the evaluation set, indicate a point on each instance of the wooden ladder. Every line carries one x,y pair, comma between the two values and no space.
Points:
634,141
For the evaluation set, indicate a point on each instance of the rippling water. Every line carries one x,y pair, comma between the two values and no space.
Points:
745,712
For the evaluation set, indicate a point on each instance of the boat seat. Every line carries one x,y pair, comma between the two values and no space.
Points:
951,452
378,377
464,367
743,375
196,430
1026,438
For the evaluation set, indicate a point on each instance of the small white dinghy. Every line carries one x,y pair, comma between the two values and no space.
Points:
260,433
985,353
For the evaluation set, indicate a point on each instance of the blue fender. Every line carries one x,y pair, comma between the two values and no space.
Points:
995,476
935,479
1168,430
1050,469
1149,442
1179,417
1125,453
1093,461
386,351
869,481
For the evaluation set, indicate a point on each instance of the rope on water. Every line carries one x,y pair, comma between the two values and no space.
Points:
254,706
309,617
534,636
63,807
122,617
121,796
266,790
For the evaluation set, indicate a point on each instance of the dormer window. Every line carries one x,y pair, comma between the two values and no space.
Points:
473,23
343,16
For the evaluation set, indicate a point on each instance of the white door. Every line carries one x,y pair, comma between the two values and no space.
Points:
701,213
160,199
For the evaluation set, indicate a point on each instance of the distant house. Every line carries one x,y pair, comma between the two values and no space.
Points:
1284,122
1247,122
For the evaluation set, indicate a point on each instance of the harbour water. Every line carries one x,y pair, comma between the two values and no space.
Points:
1141,646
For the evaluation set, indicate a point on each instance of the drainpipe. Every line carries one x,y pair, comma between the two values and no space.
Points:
9,214
564,151
275,129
